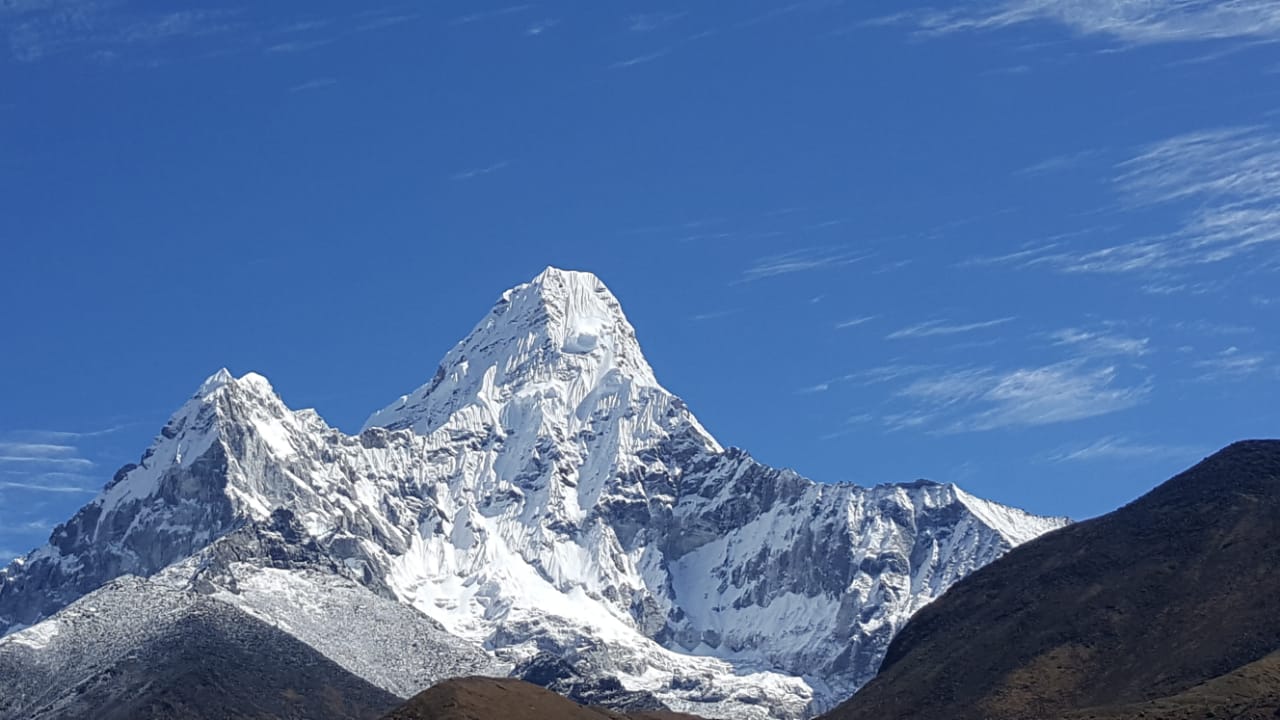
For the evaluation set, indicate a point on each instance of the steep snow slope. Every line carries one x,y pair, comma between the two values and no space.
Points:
543,493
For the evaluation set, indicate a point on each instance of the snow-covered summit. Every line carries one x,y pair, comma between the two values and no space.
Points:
554,341
542,493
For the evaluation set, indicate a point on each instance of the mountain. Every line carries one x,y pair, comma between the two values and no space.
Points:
170,654
543,493
1167,608
480,698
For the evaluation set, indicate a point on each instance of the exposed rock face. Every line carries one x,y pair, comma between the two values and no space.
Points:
542,493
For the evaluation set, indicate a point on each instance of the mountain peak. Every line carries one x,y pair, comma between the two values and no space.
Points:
214,381
572,307
563,335
251,381
552,276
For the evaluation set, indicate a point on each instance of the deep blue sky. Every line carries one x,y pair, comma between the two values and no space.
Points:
1031,251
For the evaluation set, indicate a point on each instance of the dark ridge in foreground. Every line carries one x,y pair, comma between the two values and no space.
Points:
480,698
1166,608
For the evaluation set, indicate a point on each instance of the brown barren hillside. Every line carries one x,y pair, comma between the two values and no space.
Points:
481,698
1166,608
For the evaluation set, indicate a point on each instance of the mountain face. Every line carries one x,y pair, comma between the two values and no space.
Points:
1167,608
543,493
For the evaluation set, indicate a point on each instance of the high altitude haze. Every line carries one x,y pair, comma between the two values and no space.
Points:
1023,246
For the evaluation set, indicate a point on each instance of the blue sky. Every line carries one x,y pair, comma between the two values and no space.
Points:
1024,246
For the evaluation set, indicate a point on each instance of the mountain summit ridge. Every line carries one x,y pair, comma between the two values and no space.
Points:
543,493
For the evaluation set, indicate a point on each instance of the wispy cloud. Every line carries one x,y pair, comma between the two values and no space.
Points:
49,461
1223,186
480,172
978,399
41,456
37,460
935,328
38,450
316,84
541,26
648,22
1059,163
852,425
1231,364
799,261
1132,22
855,322
297,46
1100,344
61,436
713,315
640,59
38,30
1118,448
885,373
489,14
49,486
378,22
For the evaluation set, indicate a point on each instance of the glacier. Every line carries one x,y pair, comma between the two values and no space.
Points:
542,493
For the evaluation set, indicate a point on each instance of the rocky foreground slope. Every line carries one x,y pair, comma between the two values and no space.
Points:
542,493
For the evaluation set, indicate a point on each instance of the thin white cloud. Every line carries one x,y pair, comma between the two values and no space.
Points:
1231,364
855,322
1132,22
885,373
39,31
480,172
640,59
39,460
978,399
648,22
61,436
1100,344
1223,188
1118,448
385,21
852,425
1214,329
50,487
1230,181
297,46
935,328
1059,163
713,315
316,84
38,450
799,261
540,27
488,14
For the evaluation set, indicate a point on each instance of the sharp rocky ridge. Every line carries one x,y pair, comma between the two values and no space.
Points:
542,493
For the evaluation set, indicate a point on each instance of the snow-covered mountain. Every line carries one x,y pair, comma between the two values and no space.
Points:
542,493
